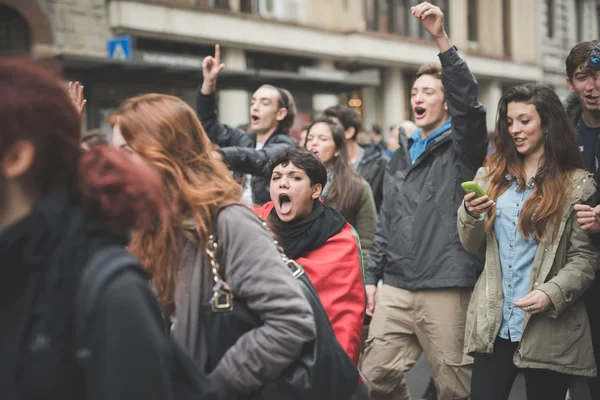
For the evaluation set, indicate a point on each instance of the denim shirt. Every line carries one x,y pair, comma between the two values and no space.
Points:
516,257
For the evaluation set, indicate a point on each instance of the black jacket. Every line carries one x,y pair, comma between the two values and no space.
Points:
47,251
416,242
372,169
239,148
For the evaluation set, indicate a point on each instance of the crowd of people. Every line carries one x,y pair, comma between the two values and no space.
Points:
188,259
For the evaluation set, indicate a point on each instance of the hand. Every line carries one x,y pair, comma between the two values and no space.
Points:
217,155
588,217
535,302
371,292
476,207
211,68
431,17
76,94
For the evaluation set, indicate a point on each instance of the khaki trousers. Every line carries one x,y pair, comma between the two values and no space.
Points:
404,324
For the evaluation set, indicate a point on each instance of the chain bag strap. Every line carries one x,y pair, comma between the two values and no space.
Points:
222,298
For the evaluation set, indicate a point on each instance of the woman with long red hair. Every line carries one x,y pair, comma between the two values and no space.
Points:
203,200
526,312
59,210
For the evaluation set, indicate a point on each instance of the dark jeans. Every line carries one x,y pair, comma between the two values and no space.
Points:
494,374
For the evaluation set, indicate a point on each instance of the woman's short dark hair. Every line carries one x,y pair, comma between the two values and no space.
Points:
303,159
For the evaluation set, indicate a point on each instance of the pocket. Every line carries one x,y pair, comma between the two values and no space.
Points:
574,318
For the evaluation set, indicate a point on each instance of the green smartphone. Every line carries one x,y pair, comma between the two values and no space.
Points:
473,187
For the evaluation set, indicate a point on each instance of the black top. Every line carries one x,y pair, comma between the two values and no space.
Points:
588,139
43,255
238,148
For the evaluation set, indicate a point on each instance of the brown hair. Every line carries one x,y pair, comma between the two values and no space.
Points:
285,100
432,69
578,56
166,132
36,107
346,188
561,155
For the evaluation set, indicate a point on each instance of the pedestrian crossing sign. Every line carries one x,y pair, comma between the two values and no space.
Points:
119,48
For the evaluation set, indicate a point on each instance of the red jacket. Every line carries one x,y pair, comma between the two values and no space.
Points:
335,270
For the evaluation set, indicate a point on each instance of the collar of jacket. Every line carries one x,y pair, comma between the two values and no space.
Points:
573,107
276,135
372,152
435,143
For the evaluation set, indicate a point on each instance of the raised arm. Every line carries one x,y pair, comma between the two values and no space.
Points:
469,129
250,160
222,135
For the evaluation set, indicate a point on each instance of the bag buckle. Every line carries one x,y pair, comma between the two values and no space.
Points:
297,269
222,301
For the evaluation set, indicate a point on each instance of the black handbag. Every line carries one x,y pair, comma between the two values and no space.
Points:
323,370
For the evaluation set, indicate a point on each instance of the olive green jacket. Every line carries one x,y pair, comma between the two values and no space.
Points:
558,339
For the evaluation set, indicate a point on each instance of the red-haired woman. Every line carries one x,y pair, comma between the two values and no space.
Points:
58,209
164,131
526,312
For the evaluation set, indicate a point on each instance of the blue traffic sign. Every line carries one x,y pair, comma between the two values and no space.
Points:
119,48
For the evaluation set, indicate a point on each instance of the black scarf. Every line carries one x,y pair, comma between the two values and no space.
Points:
309,233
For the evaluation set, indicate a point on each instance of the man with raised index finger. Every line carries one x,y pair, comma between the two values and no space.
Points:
427,275
272,114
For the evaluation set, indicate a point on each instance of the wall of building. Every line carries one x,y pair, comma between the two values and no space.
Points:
335,30
79,26
567,32
336,15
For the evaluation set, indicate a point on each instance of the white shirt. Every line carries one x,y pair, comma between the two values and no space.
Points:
247,195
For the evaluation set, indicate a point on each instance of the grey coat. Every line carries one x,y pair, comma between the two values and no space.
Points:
254,270
416,243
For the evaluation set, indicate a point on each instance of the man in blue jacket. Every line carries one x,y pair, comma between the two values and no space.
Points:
427,276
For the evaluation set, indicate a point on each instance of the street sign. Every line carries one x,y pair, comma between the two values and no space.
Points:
119,48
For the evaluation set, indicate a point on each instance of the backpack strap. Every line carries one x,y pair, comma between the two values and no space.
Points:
100,270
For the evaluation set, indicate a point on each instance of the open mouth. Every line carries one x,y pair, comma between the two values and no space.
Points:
315,152
254,119
519,140
419,112
285,204
592,99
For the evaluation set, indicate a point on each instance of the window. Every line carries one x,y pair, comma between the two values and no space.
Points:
219,4
550,7
445,6
14,32
598,21
372,14
472,21
382,12
246,6
506,28
398,16
578,19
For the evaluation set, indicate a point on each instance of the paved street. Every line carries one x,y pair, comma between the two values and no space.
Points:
418,379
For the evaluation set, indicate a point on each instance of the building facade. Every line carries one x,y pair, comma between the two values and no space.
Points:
358,52
564,24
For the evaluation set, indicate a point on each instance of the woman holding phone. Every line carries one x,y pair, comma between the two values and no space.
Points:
526,312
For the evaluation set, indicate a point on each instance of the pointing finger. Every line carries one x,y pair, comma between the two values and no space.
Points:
217,54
